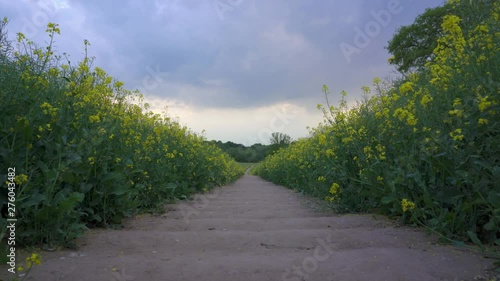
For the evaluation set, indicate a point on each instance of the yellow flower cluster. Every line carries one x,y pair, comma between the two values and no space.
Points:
94,118
21,179
457,135
48,109
334,189
33,259
407,205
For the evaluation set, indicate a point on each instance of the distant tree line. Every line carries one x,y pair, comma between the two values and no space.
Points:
257,152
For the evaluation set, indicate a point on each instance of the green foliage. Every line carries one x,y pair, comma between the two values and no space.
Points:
86,151
412,46
280,139
426,148
245,154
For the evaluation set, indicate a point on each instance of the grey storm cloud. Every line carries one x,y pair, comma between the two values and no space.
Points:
259,53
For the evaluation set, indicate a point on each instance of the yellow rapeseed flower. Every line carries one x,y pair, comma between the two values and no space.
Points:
456,112
482,121
94,118
425,100
322,139
48,109
406,87
33,259
407,205
484,103
411,120
329,198
21,179
457,135
334,188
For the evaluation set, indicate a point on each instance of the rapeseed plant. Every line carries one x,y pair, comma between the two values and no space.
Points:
94,146
428,140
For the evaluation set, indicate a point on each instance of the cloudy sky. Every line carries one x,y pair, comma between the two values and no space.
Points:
238,69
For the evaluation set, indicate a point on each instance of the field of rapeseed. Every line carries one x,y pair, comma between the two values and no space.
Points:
86,151
425,148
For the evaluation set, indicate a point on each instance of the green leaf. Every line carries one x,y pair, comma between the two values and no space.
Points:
114,183
68,177
387,200
119,190
85,187
35,199
494,198
491,225
496,172
51,175
70,202
43,167
473,237
171,185
73,158
97,218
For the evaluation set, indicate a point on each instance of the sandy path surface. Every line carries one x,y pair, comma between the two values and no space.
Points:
255,230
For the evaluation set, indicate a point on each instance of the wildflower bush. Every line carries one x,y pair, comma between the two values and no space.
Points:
427,144
87,152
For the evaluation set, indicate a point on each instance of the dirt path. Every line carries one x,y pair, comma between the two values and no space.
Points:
254,230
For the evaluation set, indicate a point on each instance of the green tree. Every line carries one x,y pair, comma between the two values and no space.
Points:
280,139
5,45
412,46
